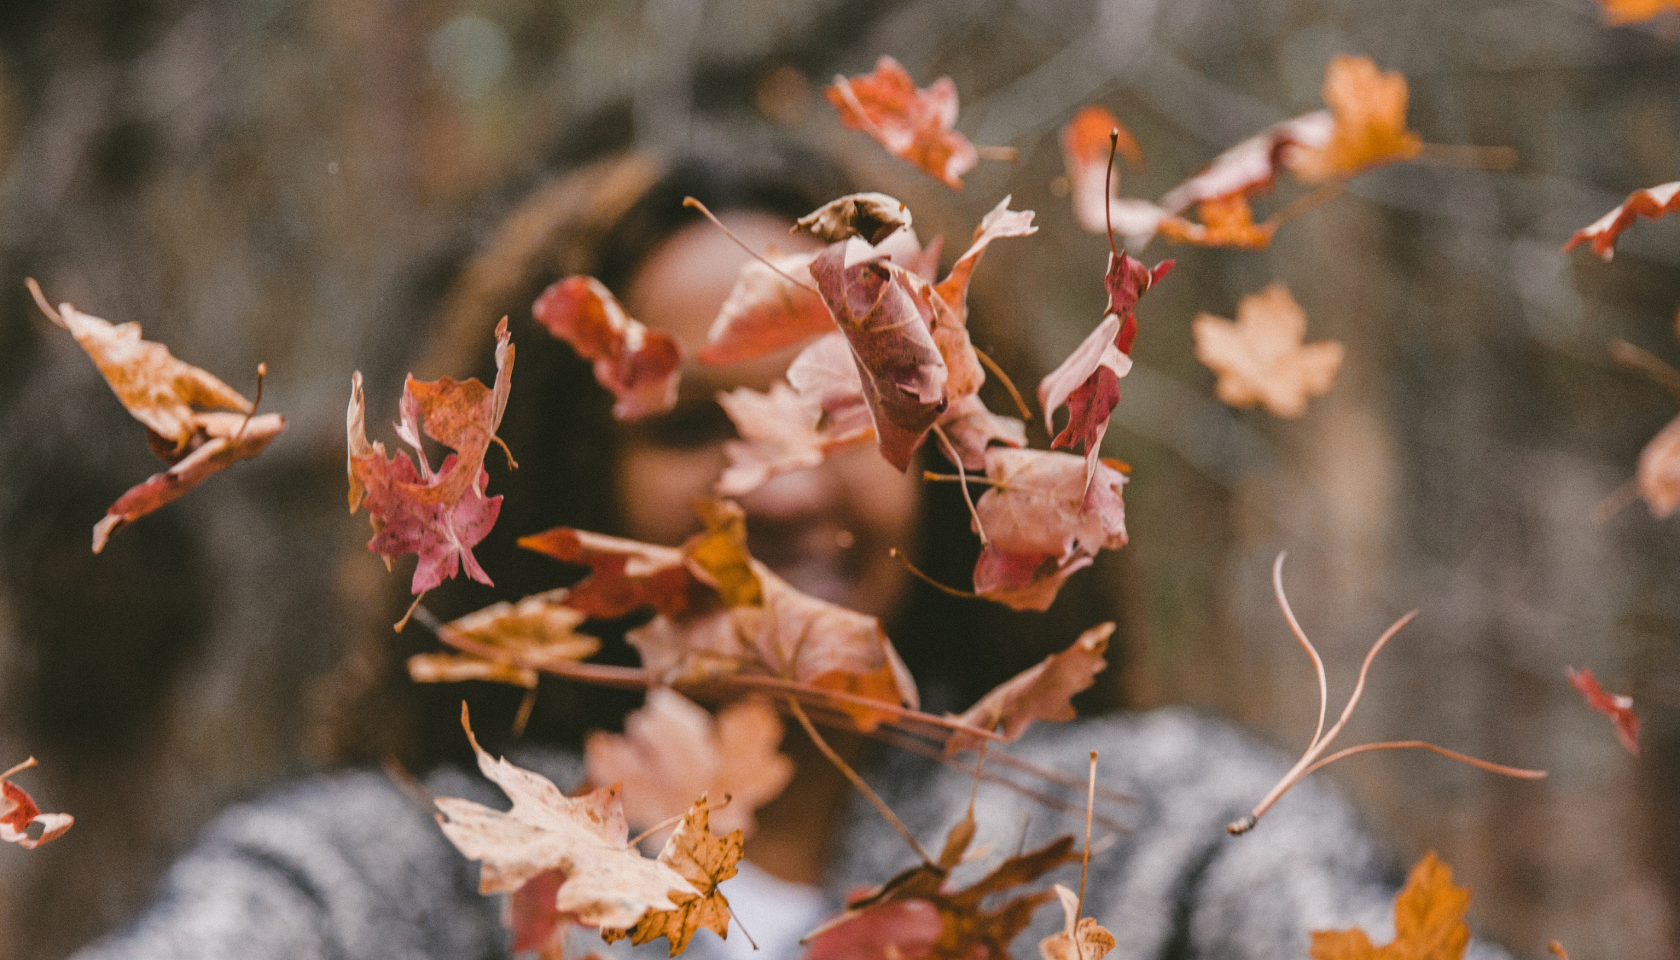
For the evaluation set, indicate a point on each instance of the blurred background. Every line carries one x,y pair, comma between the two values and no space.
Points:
251,179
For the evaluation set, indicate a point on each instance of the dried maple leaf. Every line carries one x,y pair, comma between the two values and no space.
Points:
1619,13
161,391
18,813
1428,922
672,750
1043,691
888,322
640,366
972,430
1082,938
871,217
1618,707
897,920
1226,221
1650,203
705,861
1096,200
1260,359
1088,381
1658,474
766,311
826,374
626,574
1044,523
606,882
780,433
539,631
1369,108
916,125
437,515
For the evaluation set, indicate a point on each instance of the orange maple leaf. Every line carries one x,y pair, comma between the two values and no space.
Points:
1428,922
913,124
1650,203
1260,359
1369,108
1622,12
1227,221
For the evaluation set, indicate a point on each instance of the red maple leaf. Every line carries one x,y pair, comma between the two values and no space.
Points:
913,124
1618,707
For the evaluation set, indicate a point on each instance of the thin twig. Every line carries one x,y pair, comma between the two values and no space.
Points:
673,821
1005,154
898,555
744,931
1616,500
262,372
857,781
933,477
950,451
1008,384
1468,156
41,301
1295,627
1308,202
25,765
1108,203
1648,363
523,716
1085,861
1519,773
697,205
398,626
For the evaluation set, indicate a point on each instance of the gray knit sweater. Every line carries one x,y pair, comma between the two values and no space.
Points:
348,866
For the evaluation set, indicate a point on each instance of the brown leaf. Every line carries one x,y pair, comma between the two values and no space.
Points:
888,322
1658,474
1369,108
1428,922
705,861
718,556
640,366
872,217
538,631
1081,938
913,124
1260,359
1043,691
1044,524
1650,203
672,751
607,882
766,311
18,813
826,374
1618,708
626,574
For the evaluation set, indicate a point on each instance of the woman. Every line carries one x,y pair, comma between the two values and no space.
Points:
353,866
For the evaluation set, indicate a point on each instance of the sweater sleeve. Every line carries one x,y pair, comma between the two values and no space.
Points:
1173,885
334,868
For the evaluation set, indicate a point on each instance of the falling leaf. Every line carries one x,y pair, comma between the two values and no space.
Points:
705,861
223,440
826,374
640,366
1225,222
1428,922
718,556
871,217
916,125
766,310
1251,166
1618,707
539,631
897,920
626,575
18,812
950,300
1096,200
606,882
1369,108
438,516
792,636
888,323
161,391
1650,203
1618,13
1044,524
1082,938
1658,474
1043,691
672,750
1260,359
780,433
1088,381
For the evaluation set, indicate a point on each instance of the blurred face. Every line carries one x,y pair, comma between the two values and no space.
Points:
826,530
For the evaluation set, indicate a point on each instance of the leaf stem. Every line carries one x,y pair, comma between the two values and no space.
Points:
1008,384
1085,861
1467,156
1648,363
896,554
950,451
262,374
857,781
1519,773
1108,195
1005,154
697,205
25,765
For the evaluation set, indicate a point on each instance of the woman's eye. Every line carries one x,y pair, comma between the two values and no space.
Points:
688,426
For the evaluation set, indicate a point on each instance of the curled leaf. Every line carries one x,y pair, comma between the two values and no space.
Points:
1252,165
1044,523
916,125
18,813
1261,359
870,216
539,631
672,750
1618,707
640,366
1043,691
972,430
1650,203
